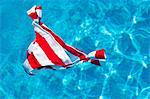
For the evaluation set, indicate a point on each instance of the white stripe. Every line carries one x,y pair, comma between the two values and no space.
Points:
105,55
39,12
40,55
31,10
102,60
30,48
92,54
27,66
45,26
36,20
67,44
57,48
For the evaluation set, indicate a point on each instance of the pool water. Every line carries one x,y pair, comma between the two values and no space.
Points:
121,27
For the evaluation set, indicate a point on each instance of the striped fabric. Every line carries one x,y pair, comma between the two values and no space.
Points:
49,51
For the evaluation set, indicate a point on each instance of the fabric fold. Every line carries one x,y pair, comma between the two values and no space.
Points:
49,50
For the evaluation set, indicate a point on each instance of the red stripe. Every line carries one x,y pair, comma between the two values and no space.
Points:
48,50
74,51
100,54
33,61
33,15
96,62
38,7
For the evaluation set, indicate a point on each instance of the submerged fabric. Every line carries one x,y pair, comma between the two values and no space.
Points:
49,50
121,27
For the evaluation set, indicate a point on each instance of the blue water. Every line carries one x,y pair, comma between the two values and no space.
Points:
121,27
